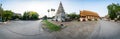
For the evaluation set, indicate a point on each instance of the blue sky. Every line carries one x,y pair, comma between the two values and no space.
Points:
41,6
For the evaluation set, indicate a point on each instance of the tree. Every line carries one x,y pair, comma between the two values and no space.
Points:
7,15
113,9
16,16
74,16
25,16
34,15
30,15
45,17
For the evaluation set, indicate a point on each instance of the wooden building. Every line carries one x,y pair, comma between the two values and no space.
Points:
88,16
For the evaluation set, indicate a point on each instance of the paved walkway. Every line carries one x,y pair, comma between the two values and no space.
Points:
106,30
75,30
23,30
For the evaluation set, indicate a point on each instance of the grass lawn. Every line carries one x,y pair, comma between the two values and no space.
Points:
51,26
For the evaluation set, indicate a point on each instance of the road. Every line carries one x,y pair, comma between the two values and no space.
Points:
23,30
106,30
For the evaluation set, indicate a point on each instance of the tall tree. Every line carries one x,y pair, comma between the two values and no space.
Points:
113,9
25,16
33,15
7,15
30,15
74,16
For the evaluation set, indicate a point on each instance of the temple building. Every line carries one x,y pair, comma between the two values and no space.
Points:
88,16
60,14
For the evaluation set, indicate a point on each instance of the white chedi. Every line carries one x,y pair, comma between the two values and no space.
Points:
60,14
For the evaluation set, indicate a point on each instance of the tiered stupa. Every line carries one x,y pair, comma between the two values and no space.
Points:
60,14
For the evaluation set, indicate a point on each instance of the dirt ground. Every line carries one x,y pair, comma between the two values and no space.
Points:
75,29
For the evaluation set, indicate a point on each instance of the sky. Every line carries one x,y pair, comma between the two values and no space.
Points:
41,6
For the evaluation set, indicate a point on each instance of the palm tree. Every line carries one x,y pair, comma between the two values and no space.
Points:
52,10
48,12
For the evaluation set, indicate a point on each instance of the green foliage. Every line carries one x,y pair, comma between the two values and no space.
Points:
45,17
30,15
51,26
25,16
7,15
74,16
16,16
34,15
113,9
